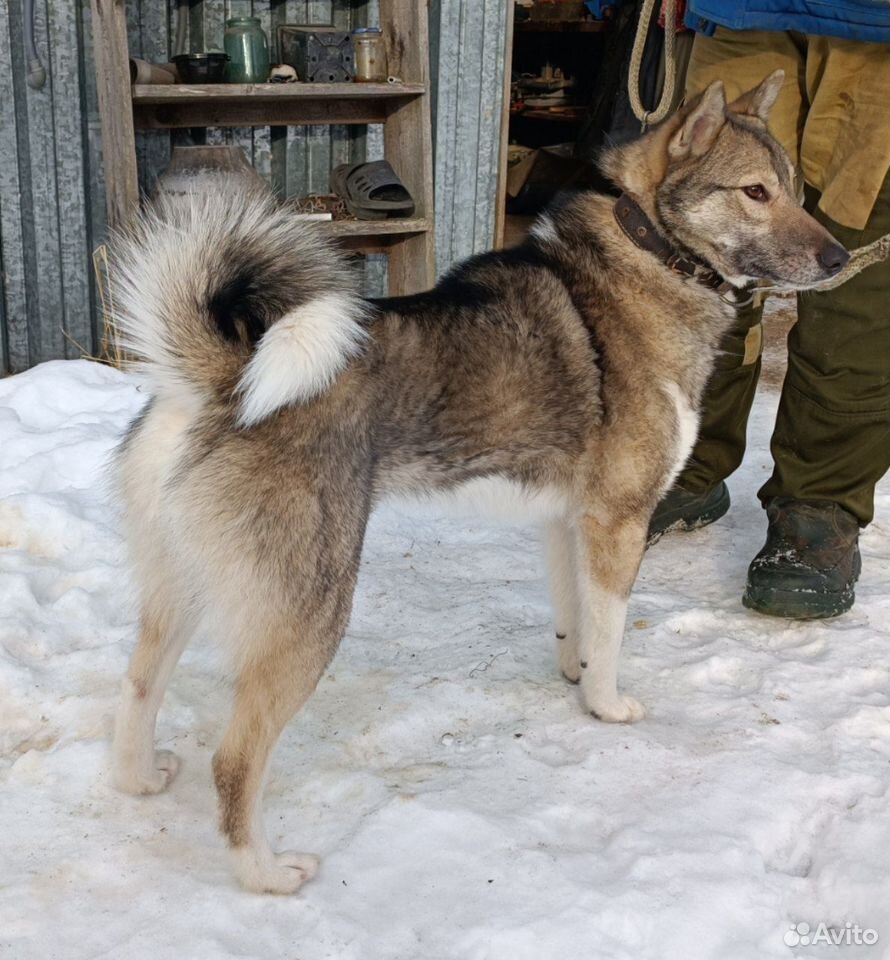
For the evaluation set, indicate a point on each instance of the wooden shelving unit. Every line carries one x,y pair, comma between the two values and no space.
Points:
402,108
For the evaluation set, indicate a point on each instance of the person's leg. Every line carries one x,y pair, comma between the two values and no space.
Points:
832,437
726,405
832,434
699,496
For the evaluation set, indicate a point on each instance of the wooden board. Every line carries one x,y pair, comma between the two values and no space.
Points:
375,228
275,92
113,81
265,104
407,140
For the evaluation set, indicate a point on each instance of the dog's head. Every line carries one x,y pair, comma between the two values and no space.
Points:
721,185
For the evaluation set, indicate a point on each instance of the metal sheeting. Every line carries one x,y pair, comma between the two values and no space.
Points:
51,177
46,190
467,54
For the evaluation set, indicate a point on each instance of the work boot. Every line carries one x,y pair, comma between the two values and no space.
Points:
810,561
682,510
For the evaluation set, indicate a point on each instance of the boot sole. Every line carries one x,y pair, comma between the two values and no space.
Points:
795,605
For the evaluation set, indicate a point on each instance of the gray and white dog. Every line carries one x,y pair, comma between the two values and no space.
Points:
564,375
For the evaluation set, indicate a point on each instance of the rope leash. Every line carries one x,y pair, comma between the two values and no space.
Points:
860,258
647,117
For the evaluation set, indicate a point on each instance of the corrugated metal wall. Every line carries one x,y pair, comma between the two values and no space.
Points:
50,201
467,68
51,178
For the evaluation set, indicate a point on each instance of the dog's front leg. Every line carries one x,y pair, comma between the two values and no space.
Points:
609,555
562,553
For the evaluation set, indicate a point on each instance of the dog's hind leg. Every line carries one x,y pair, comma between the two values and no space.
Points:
147,458
609,556
138,767
562,567
283,666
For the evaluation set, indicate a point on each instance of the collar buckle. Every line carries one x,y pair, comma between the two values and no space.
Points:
677,263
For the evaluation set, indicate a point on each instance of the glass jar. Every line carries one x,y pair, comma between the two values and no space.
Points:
247,49
370,55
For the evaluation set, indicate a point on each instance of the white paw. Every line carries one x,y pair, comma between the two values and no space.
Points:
617,709
130,778
279,873
569,663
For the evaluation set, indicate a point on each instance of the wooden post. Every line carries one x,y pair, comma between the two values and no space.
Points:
407,140
115,109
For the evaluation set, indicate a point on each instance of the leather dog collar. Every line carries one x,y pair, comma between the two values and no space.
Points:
643,233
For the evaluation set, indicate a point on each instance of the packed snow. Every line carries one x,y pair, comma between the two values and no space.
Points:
462,802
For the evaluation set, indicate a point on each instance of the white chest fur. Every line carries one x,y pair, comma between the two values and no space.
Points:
686,429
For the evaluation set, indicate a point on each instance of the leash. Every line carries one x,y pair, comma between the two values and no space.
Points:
647,117
860,258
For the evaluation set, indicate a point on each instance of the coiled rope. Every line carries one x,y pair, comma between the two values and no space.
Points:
648,117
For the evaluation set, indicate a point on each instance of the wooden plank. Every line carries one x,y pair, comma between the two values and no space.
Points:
113,82
397,226
233,113
407,139
277,93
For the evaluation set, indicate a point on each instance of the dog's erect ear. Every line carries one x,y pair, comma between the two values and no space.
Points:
759,101
701,125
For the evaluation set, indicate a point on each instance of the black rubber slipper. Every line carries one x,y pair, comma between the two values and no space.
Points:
372,191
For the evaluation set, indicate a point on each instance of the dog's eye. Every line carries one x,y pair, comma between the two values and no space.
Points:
756,192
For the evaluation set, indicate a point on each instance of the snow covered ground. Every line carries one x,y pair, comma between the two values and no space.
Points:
464,805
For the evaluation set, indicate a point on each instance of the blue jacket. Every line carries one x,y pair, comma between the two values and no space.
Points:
854,19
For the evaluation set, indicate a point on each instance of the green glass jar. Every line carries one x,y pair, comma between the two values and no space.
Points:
247,49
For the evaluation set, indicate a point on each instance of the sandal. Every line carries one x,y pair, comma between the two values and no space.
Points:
372,191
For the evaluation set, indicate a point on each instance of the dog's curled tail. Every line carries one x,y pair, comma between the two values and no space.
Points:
229,297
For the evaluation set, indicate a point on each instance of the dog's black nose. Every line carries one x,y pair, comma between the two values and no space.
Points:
833,257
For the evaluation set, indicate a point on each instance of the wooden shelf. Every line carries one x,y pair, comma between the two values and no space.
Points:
402,108
164,106
204,92
374,236
367,228
560,26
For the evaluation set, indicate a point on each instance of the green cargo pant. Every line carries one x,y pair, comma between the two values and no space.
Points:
832,435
